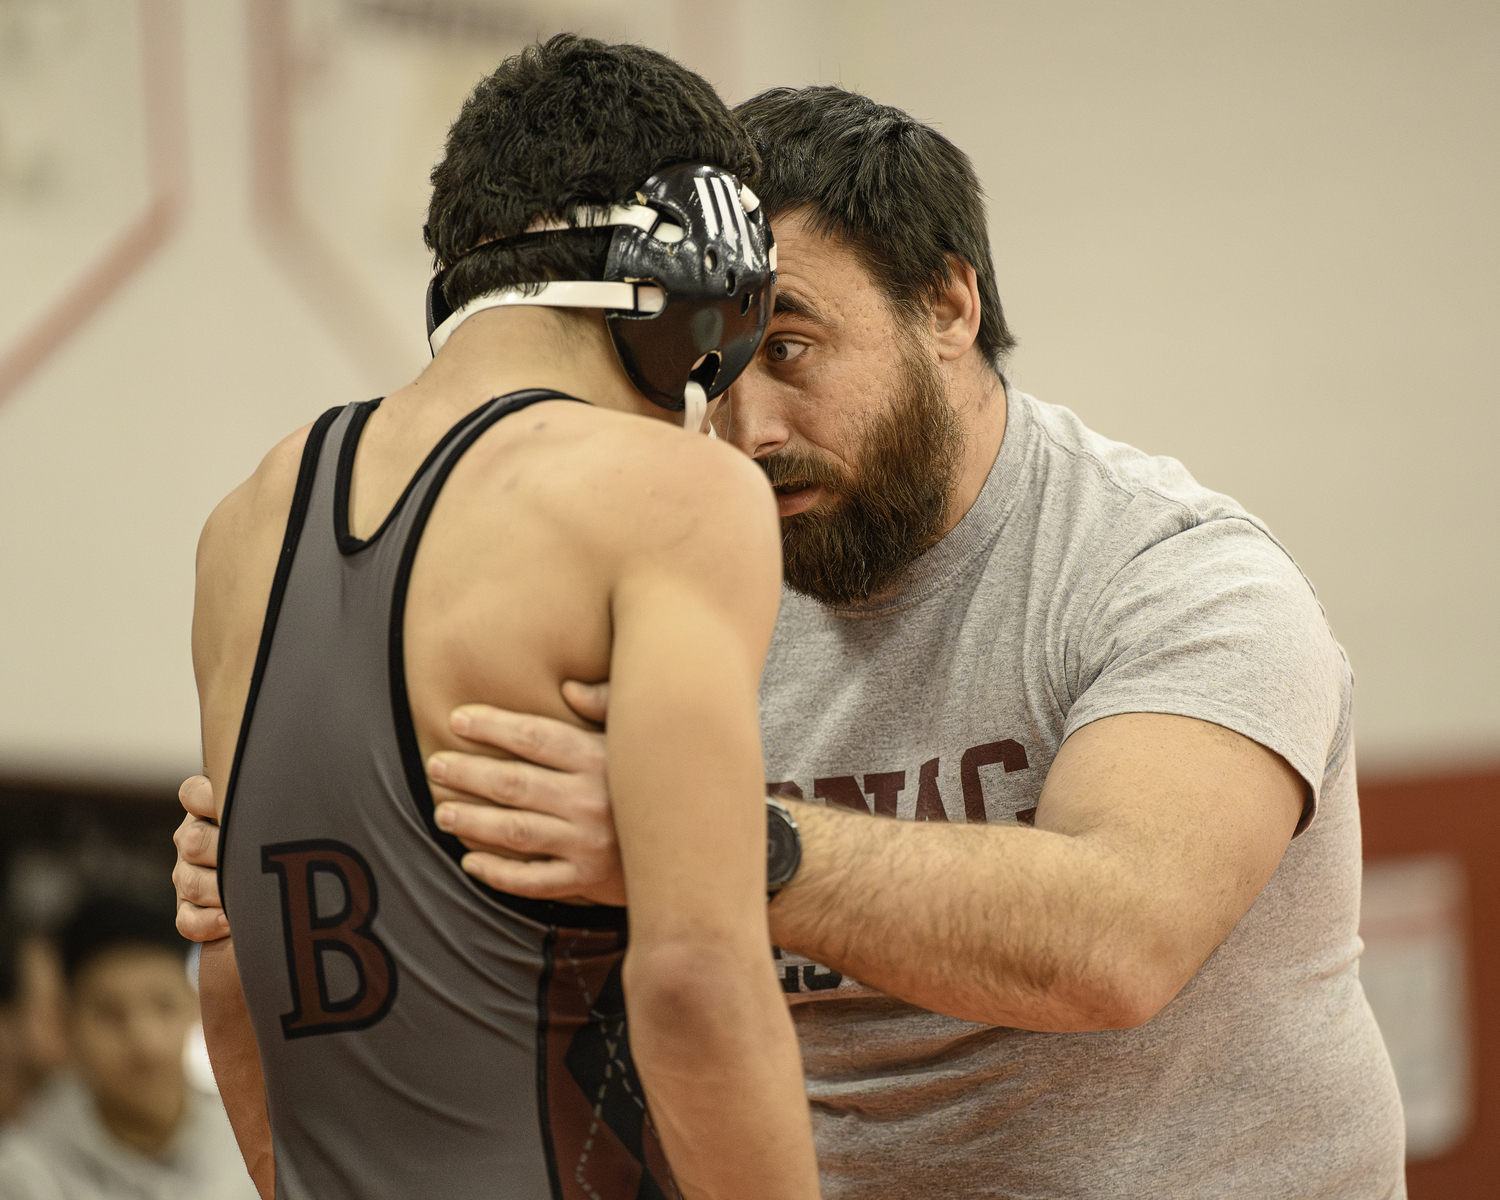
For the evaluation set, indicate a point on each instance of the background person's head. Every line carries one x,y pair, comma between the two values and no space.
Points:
889,332
130,1010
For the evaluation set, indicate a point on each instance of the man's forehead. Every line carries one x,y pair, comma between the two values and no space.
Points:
819,275
791,302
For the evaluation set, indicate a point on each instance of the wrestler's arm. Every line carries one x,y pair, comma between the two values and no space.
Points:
237,555
236,1061
709,1026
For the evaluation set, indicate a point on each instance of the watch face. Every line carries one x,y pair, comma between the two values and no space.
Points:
783,848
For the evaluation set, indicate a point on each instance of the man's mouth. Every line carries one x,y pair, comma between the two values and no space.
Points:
796,495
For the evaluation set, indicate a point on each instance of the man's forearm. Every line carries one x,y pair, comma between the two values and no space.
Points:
1000,924
236,1061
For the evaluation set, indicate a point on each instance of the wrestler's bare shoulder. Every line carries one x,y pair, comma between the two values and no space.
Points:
260,506
609,474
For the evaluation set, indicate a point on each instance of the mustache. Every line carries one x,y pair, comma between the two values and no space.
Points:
795,466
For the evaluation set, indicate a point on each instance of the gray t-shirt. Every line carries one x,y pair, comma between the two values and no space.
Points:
1089,580
62,1151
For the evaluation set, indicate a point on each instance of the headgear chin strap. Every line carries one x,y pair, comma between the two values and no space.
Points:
686,288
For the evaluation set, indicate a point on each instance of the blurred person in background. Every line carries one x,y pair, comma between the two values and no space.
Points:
124,1122
1119,957
33,1036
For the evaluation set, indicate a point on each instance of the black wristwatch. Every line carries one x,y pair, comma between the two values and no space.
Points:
783,846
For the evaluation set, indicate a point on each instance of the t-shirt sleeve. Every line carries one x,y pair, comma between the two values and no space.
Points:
1216,622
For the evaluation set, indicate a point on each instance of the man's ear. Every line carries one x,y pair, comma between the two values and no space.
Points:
955,312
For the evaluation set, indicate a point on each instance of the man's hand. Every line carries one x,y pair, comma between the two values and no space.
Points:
552,836
545,829
200,913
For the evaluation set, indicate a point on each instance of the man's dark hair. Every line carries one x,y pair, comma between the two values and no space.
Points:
103,922
568,122
899,193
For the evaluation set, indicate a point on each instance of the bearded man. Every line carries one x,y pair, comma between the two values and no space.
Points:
1076,908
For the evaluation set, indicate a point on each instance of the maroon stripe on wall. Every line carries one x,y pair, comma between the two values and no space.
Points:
1455,814
347,310
166,143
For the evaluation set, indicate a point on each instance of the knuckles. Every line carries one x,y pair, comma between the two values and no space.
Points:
196,840
515,832
197,885
200,924
526,738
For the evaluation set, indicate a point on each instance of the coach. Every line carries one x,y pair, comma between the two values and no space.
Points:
1107,945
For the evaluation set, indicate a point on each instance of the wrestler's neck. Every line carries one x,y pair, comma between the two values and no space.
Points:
503,350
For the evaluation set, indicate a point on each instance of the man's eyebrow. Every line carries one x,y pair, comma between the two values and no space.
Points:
794,305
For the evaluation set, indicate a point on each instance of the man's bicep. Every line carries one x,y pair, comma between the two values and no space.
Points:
1195,816
1217,623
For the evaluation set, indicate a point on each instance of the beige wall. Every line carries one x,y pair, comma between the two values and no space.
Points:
1261,238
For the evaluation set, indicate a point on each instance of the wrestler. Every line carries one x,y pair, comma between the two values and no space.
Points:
528,510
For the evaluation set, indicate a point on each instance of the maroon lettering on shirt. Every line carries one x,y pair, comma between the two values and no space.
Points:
929,799
884,788
843,790
1011,754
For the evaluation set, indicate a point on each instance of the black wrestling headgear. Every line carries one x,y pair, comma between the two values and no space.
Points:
686,288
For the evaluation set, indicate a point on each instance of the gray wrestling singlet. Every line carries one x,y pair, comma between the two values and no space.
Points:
420,1035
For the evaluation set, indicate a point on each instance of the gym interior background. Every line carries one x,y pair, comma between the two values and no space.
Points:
1261,238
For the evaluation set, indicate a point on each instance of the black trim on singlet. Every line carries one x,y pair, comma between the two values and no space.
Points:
344,476
544,912
301,498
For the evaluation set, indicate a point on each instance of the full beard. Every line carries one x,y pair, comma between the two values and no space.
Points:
893,508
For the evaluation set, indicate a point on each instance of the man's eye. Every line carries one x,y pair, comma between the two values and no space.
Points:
784,352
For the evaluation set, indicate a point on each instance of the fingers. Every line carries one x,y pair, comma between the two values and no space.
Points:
197,841
506,831
544,879
507,781
589,700
536,855
200,915
539,740
196,885
197,796
201,924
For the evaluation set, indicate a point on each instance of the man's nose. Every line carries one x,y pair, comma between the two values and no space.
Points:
752,419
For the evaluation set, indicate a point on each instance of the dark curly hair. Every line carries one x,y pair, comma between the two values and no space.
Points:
900,193
568,122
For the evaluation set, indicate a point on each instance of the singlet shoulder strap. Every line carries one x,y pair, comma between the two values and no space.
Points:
344,474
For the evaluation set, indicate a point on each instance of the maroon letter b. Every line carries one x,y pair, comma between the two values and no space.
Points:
311,935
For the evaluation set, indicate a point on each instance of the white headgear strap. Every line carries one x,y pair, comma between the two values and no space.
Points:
583,293
569,293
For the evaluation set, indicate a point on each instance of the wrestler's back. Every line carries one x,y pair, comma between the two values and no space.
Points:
506,595
506,601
